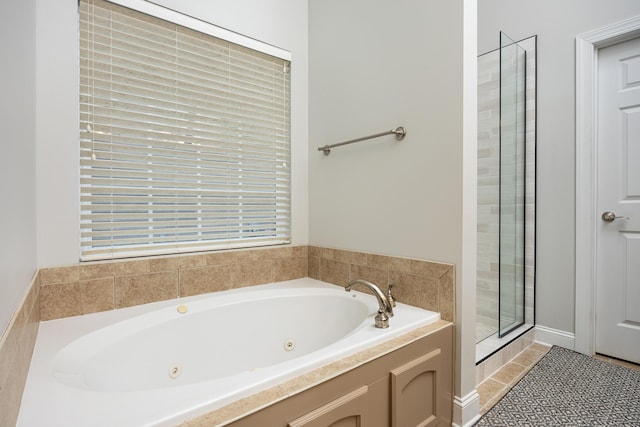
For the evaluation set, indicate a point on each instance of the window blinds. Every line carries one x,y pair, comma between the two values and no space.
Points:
184,138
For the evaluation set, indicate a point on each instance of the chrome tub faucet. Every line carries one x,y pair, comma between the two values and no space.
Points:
385,302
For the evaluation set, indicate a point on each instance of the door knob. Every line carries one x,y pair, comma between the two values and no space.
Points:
610,216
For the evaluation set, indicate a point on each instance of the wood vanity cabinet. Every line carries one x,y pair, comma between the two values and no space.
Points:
409,387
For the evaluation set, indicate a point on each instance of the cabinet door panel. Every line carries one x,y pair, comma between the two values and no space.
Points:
349,410
414,392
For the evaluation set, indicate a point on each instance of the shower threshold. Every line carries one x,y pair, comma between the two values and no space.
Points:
492,344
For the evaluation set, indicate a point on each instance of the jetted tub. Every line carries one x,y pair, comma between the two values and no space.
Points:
162,363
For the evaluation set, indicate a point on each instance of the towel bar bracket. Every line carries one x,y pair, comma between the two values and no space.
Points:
400,132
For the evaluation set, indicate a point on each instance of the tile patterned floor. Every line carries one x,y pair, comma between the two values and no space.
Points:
497,385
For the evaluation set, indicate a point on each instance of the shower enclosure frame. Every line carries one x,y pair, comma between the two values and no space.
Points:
488,69
512,173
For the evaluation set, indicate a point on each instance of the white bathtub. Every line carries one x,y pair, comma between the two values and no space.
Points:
163,363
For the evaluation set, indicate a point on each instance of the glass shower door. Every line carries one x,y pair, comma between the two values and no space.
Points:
512,185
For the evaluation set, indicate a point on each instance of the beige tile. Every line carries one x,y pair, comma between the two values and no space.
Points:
314,251
59,300
96,295
250,255
26,313
238,408
95,271
429,268
402,265
376,275
33,298
22,361
314,267
415,290
221,258
278,252
9,346
10,397
493,400
130,268
177,262
290,268
540,347
446,296
59,275
350,257
73,299
145,288
327,253
528,357
508,373
32,326
196,281
335,272
488,390
253,273
300,251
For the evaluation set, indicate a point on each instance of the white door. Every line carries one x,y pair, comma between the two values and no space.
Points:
618,202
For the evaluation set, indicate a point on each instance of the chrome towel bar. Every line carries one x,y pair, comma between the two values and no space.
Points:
399,132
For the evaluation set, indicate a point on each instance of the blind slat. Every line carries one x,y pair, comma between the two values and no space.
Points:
184,138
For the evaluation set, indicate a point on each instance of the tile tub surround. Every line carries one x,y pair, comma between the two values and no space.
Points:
424,284
16,348
100,286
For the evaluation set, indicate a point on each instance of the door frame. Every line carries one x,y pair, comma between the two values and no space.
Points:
587,46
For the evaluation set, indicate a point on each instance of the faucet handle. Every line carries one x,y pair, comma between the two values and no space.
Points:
392,300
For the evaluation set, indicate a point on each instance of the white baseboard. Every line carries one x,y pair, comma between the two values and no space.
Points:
466,410
551,336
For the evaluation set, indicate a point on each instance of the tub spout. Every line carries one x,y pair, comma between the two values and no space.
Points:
385,309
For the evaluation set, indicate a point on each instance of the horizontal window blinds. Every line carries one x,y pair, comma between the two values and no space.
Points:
184,138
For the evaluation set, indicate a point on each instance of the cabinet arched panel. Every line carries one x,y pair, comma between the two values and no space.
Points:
414,396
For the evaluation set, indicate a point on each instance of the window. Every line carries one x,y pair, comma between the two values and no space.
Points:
184,136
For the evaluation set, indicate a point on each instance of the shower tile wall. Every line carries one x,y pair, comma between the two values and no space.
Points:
488,194
488,189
